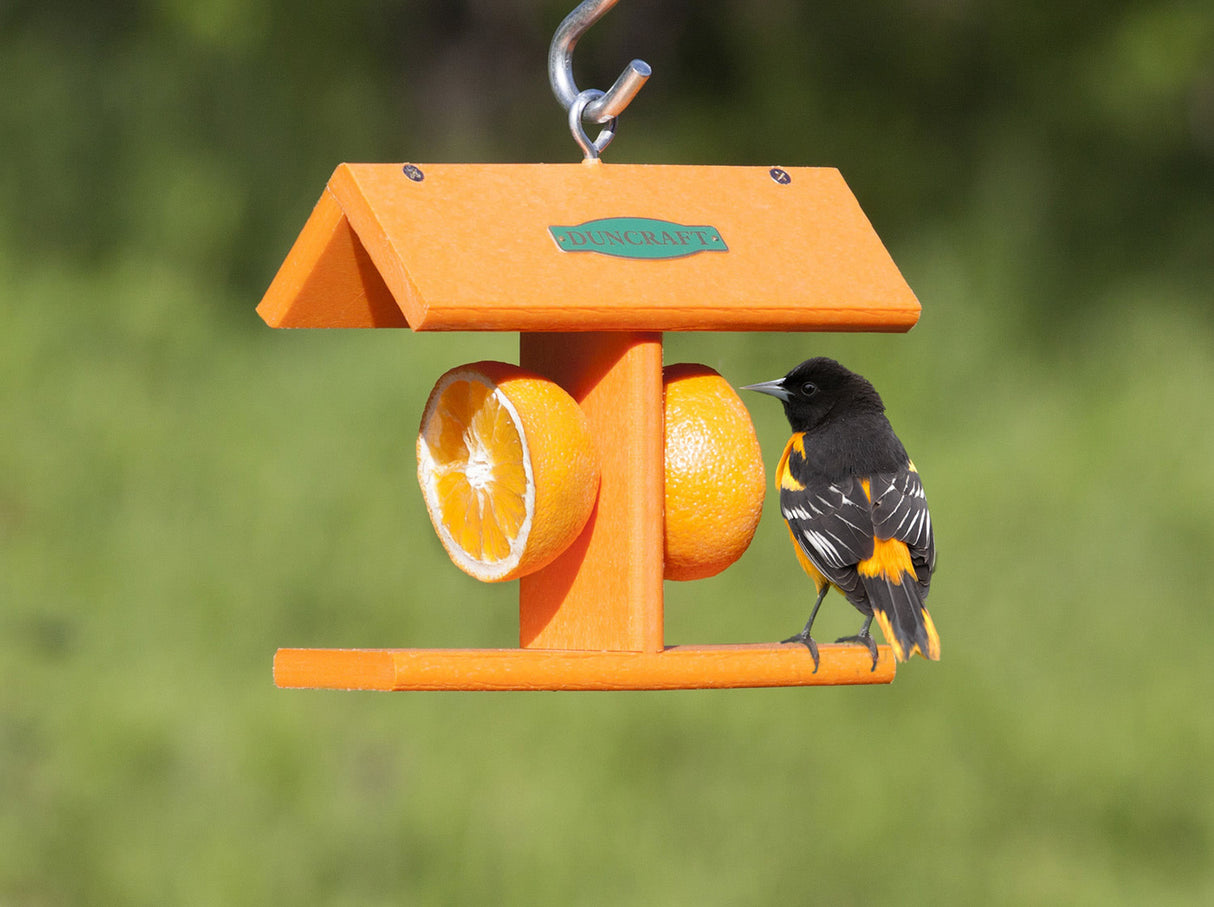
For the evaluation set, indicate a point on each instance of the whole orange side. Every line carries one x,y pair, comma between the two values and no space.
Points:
715,482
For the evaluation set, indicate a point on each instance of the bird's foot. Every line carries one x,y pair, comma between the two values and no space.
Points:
866,640
808,641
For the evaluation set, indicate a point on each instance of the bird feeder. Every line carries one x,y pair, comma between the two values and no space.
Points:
590,263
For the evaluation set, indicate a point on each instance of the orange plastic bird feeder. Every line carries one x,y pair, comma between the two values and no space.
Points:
590,263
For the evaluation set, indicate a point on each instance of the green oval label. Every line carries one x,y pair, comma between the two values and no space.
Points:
638,237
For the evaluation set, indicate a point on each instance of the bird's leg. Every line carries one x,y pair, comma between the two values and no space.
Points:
864,638
803,637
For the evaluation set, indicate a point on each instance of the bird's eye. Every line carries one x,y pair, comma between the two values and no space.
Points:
809,388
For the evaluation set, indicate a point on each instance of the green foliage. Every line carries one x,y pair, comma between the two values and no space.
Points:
183,490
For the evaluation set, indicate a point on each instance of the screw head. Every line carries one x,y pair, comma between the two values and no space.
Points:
780,176
414,172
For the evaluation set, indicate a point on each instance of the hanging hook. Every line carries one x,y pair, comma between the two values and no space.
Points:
606,106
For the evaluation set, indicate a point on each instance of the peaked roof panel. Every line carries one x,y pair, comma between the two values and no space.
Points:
539,247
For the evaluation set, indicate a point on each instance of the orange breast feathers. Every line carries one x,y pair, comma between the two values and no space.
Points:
784,476
785,480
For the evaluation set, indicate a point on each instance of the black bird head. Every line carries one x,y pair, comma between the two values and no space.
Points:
820,389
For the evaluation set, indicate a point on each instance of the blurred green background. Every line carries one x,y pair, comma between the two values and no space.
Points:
182,490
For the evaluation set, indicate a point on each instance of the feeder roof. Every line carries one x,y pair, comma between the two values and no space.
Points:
590,246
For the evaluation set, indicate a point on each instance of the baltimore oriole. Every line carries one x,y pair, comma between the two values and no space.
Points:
855,507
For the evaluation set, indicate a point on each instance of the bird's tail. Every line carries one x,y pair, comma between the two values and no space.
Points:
897,603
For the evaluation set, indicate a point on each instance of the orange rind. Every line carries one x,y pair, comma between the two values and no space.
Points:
715,481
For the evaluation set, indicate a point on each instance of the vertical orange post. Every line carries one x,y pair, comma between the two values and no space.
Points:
605,592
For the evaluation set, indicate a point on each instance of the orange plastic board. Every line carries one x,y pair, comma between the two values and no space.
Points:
537,247
675,668
328,262
605,591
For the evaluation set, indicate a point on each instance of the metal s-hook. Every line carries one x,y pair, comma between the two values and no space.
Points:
601,107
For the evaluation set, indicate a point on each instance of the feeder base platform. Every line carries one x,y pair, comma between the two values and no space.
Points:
674,668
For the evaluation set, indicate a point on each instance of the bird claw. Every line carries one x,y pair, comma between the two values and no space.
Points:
808,641
866,640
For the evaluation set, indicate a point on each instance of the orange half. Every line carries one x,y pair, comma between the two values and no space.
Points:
715,481
507,468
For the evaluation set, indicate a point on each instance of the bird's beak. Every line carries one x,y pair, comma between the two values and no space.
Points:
775,388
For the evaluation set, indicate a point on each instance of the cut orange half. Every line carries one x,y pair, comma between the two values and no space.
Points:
507,468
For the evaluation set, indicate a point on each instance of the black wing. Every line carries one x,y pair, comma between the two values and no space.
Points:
833,524
899,511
